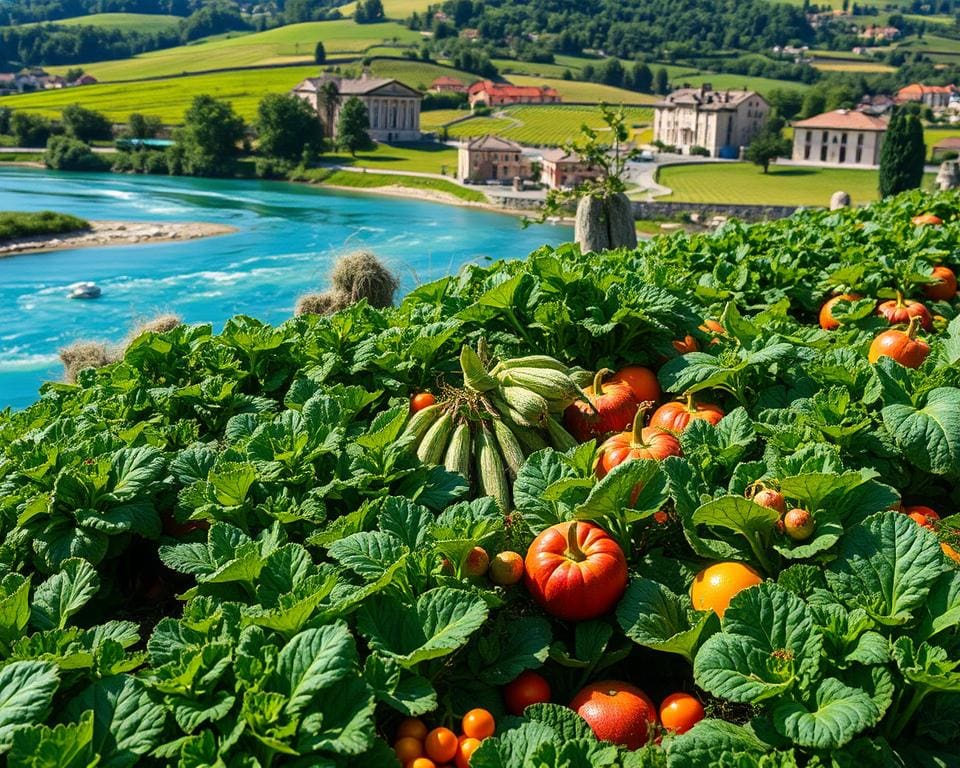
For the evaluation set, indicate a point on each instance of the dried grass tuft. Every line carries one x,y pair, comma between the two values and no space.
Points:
325,303
84,354
361,275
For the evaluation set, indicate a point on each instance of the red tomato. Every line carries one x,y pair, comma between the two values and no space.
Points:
946,289
922,515
576,571
900,311
771,500
827,321
642,382
676,416
421,400
679,712
616,712
902,346
525,689
611,407
926,220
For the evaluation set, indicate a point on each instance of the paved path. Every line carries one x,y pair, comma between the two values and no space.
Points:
41,150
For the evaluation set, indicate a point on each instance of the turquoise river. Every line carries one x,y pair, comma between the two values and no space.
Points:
287,237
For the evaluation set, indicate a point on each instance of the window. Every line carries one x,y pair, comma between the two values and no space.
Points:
843,153
806,152
825,137
859,139
859,155
823,153
843,138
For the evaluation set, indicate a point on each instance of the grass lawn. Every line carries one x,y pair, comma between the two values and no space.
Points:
378,180
137,22
437,118
394,9
721,81
510,67
543,125
417,74
746,183
426,157
289,44
590,93
16,224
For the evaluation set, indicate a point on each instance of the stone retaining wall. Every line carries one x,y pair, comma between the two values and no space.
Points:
705,211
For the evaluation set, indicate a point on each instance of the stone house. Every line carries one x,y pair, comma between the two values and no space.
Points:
565,170
719,121
494,94
448,84
490,158
933,96
393,108
841,137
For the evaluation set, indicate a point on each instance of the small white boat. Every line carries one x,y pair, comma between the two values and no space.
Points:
84,291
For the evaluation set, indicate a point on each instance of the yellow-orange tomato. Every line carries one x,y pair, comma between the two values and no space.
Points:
412,726
642,382
407,748
950,552
506,568
679,712
421,762
714,587
441,745
478,724
421,400
465,750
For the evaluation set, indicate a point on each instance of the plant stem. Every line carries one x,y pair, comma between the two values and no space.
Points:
758,552
903,719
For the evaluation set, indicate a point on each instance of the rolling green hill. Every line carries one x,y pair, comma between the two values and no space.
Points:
135,22
283,45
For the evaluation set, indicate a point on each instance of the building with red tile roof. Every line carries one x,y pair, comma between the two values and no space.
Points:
840,137
933,96
502,94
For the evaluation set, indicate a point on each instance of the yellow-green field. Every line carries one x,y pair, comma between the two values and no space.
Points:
743,183
394,9
138,22
169,98
283,45
543,125
844,65
591,93
437,118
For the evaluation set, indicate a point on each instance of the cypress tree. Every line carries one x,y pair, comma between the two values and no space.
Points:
902,155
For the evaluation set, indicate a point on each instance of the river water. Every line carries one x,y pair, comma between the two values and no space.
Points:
288,236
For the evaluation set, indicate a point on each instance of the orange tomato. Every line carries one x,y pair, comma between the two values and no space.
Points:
714,587
686,344
412,726
477,562
642,382
478,724
922,515
679,712
441,745
408,748
926,220
465,750
946,289
421,400
950,552
506,568
421,762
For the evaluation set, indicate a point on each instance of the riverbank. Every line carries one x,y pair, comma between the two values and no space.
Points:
109,233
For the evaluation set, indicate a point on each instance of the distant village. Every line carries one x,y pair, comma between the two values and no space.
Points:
37,79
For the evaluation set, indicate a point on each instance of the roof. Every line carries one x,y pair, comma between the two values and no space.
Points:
917,90
516,91
353,87
707,99
490,143
952,142
560,156
844,119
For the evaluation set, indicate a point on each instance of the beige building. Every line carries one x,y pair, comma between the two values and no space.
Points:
393,108
490,158
563,170
841,137
719,121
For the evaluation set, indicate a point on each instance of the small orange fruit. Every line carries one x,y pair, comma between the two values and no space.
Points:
506,568
412,726
407,748
715,585
441,745
479,724
465,750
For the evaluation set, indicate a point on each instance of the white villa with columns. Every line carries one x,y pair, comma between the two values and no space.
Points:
393,108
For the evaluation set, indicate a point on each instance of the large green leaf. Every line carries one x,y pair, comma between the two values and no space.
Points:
508,646
313,660
26,692
929,436
442,620
841,713
928,667
64,593
14,607
768,645
127,723
703,744
341,723
886,565
368,553
69,745
653,616
630,492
